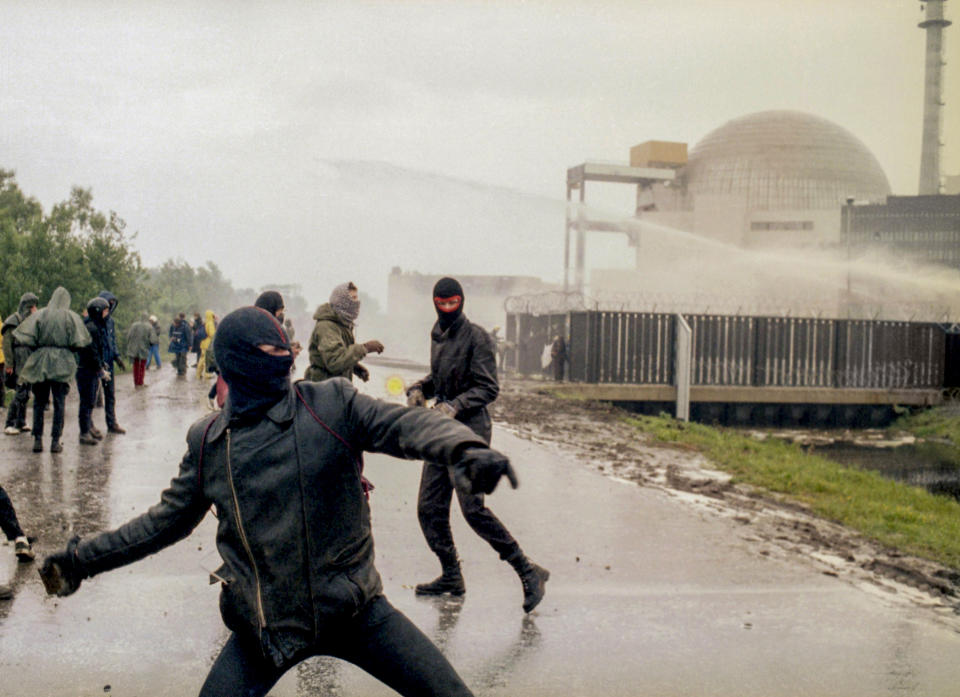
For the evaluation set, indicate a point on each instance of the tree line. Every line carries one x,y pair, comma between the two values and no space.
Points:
86,251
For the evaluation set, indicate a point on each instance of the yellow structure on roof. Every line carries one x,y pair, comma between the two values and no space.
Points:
659,153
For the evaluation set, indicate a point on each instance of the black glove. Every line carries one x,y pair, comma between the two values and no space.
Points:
361,372
479,470
119,362
62,573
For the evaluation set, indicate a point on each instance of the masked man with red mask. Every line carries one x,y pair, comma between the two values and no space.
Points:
281,464
463,381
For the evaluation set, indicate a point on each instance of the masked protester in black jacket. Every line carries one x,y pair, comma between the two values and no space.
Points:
282,464
463,380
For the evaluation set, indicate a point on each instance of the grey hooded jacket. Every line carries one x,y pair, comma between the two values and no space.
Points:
14,352
54,333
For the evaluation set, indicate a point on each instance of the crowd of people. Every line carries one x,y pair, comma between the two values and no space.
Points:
301,581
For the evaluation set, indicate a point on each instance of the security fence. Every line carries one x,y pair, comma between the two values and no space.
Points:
734,350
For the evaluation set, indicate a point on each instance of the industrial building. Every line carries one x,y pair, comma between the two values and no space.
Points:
772,180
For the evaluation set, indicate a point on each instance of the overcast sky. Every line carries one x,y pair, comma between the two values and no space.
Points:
311,143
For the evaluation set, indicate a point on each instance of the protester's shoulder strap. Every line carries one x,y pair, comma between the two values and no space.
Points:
357,458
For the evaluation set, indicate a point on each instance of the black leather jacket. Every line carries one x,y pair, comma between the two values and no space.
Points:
463,371
294,524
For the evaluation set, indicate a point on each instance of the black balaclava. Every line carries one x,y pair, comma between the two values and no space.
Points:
447,288
256,379
271,301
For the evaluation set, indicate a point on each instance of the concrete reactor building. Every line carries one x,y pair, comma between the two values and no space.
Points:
769,177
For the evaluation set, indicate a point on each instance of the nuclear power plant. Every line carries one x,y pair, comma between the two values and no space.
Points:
772,180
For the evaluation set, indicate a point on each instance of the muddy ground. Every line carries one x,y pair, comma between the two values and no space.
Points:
595,433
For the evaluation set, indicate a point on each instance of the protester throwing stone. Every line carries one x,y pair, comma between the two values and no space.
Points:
282,465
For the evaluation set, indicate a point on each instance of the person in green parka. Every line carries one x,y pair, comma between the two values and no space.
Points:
54,333
333,351
140,336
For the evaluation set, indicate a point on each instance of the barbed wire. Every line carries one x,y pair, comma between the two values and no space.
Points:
555,302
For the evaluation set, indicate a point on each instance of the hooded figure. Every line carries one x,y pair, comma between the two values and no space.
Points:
55,333
281,467
257,380
463,381
140,337
15,356
90,369
333,351
272,302
111,355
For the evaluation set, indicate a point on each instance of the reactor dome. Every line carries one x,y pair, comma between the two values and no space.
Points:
784,160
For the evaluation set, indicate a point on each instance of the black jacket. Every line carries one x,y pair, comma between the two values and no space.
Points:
90,357
463,371
294,524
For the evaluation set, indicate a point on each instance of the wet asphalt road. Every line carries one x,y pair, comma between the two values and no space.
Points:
647,596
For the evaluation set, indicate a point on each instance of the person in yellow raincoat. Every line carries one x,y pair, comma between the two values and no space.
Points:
210,327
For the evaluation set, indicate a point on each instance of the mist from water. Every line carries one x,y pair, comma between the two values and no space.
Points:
681,269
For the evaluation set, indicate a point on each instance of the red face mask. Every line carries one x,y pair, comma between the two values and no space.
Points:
451,304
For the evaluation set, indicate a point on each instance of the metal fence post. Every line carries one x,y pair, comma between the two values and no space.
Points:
684,362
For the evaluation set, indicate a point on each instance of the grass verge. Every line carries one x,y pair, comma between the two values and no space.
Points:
939,422
897,515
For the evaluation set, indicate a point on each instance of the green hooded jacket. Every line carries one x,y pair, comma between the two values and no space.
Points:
333,351
139,337
54,333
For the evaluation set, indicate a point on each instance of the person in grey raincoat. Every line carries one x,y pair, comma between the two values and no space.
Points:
16,356
54,333
140,337
333,351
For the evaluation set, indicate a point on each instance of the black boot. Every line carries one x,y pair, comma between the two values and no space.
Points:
450,581
534,579
56,446
38,445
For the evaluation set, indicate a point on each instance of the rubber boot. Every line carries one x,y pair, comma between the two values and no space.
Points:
534,579
450,581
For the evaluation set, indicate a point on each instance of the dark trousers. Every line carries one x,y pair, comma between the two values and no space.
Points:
180,362
433,510
87,383
8,517
109,400
380,640
17,411
41,393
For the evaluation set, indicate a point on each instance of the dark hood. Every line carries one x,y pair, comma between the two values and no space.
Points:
111,299
256,380
447,288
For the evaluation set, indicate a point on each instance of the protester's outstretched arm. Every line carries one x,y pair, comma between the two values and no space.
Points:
424,434
181,508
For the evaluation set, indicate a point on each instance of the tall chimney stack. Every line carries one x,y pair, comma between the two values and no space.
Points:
934,24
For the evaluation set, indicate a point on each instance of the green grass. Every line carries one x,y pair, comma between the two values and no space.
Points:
939,422
900,516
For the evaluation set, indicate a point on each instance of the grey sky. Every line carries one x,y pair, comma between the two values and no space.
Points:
249,133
